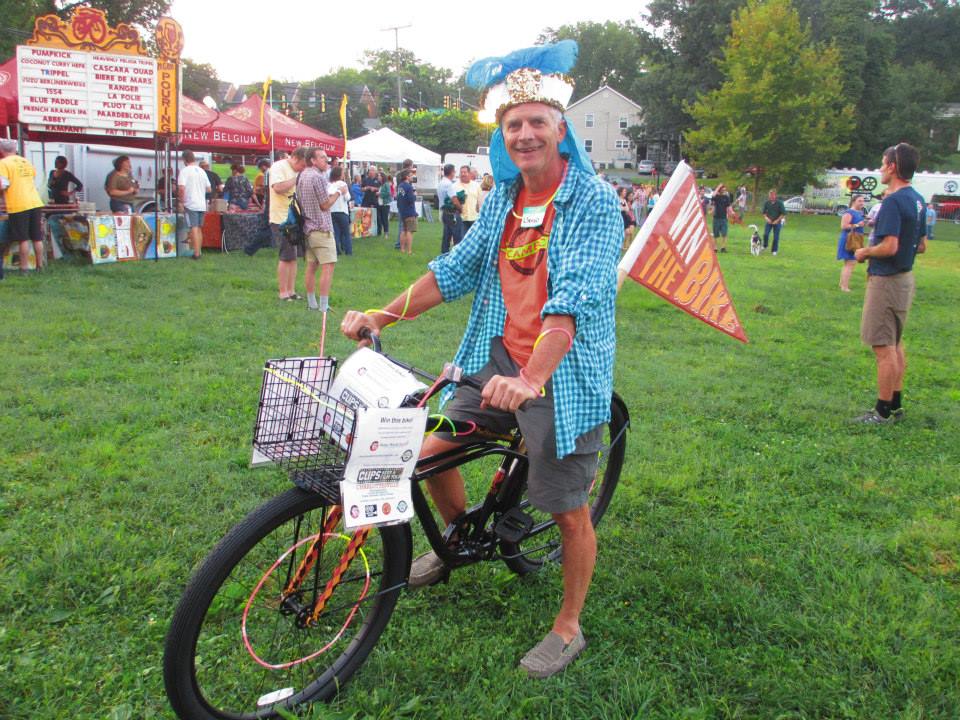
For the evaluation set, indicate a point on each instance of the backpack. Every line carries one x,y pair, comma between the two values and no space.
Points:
293,227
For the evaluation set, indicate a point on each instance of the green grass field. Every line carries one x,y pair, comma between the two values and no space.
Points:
763,558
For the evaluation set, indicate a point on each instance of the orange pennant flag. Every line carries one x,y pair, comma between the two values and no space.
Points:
672,255
263,107
343,118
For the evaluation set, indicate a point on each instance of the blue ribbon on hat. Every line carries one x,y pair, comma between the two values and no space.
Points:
548,59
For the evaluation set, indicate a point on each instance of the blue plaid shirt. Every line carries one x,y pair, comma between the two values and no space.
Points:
582,282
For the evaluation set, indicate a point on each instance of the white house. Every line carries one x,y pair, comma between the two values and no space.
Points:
601,120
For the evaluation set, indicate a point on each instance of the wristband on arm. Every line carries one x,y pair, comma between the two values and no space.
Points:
541,391
401,316
555,329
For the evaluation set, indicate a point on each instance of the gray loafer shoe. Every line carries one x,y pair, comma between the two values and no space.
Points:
551,655
428,569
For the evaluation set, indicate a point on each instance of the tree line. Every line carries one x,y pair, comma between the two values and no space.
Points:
784,87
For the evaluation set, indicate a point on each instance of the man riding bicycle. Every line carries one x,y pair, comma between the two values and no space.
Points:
541,261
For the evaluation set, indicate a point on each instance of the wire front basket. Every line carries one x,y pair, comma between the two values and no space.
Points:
302,428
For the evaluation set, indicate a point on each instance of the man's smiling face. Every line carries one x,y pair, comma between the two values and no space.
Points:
532,133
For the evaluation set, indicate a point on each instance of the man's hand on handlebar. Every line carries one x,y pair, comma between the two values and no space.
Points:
354,322
506,393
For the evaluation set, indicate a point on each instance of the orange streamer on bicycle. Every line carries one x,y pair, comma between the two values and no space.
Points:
356,542
311,556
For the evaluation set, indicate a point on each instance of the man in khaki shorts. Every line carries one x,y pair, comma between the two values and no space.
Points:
900,233
407,209
316,199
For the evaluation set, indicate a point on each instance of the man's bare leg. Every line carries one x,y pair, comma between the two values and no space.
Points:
326,279
579,558
310,277
446,489
888,370
196,240
901,367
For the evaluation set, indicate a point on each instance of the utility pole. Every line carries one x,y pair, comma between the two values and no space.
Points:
396,38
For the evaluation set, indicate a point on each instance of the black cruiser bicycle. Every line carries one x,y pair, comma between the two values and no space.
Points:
289,604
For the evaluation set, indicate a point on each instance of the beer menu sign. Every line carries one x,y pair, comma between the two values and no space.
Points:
72,91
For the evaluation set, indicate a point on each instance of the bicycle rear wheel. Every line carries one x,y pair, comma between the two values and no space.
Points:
245,639
543,544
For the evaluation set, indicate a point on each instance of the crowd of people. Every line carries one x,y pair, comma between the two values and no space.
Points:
460,195
314,185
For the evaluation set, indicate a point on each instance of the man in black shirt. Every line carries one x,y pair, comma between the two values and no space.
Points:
721,202
774,213
370,188
215,182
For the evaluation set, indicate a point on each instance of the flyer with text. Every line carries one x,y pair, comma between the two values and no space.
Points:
376,485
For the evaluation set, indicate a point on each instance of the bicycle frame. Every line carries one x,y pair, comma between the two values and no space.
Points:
502,494
473,540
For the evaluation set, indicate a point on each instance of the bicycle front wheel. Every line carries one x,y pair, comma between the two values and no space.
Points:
283,611
543,544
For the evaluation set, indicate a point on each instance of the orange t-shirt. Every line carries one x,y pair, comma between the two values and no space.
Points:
522,263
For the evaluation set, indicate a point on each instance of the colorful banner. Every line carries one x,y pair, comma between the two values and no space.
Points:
672,255
108,238
70,232
166,244
103,239
122,225
363,222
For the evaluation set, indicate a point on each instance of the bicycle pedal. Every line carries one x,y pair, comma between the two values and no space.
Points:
513,526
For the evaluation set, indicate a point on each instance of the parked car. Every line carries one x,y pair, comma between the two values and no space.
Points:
794,204
646,167
669,166
947,208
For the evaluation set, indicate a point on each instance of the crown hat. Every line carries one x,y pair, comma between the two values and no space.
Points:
531,75
536,74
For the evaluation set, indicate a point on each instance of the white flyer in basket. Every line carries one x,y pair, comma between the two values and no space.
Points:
376,483
368,379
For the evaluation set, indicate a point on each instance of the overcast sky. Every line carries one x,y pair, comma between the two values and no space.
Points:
299,40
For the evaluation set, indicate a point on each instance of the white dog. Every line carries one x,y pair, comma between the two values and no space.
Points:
756,243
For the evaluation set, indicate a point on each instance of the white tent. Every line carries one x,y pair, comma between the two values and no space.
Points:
386,146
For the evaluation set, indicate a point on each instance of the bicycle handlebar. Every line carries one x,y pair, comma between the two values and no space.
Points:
368,334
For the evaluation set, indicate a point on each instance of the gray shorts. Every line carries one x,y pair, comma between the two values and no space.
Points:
194,218
886,305
553,485
720,227
288,251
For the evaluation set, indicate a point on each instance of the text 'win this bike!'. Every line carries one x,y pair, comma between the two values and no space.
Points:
289,604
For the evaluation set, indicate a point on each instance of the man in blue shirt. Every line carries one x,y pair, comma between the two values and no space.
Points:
407,209
541,262
899,234
931,220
